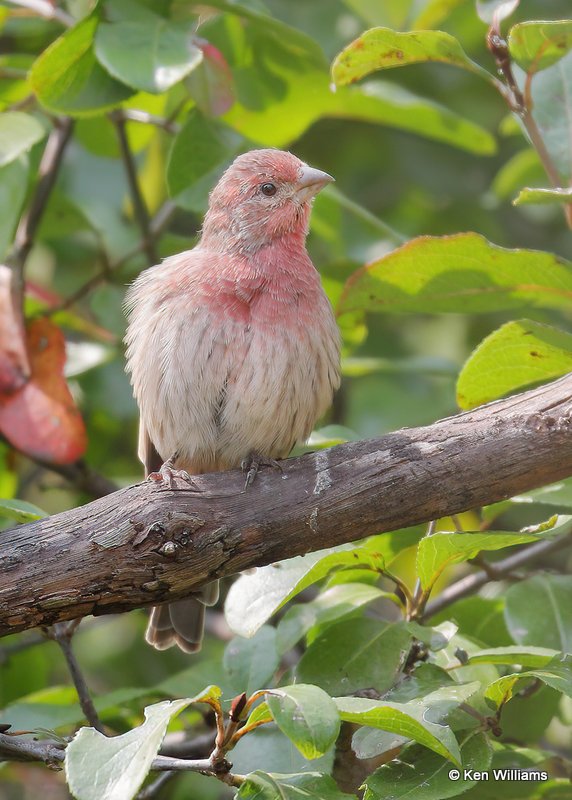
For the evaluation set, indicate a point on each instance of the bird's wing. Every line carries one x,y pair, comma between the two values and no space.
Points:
147,452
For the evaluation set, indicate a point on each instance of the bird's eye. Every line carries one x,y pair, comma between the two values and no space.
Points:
268,189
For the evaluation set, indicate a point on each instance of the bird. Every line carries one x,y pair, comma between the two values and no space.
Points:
232,347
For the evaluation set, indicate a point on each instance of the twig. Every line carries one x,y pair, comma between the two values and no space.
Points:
179,746
20,748
62,633
83,477
43,8
502,569
52,753
157,224
47,175
150,791
139,207
521,104
136,115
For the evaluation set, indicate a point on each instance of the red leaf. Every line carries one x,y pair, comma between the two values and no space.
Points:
14,365
41,419
211,83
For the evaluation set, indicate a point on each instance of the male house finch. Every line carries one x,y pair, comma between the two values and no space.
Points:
232,347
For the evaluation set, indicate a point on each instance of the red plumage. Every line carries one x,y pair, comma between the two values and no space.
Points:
232,346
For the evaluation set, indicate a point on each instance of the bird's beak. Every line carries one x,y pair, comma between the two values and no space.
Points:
310,182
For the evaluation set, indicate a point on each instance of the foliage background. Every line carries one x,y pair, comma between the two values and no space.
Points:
392,184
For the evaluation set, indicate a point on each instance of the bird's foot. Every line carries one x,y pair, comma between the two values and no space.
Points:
167,475
252,464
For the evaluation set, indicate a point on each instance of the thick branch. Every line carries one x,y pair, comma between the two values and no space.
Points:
148,543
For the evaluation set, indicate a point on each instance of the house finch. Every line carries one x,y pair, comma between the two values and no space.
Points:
232,346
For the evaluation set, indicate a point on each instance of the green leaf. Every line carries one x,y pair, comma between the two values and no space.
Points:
432,707
57,707
420,719
98,767
211,694
443,549
20,510
199,147
67,78
552,112
308,786
425,776
425,679
383,48
557,496
307,716
538,45
14,89
253,598
539,612
524,657
435,638
329,606
150,54
538,196
482,618
251,663
19,132
557,674
388,104
283,87
260,712
459,273
516,355
355,654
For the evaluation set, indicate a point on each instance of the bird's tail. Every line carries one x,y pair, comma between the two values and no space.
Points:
181,623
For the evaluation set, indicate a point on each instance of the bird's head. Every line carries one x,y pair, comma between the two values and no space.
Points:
264,195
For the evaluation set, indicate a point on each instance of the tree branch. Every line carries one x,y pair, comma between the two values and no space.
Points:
83,477
472,583
52,753
47,175
521,105
149,543
62,633
139,207
157,224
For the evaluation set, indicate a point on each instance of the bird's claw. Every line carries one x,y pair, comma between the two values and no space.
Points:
167,475
252,464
